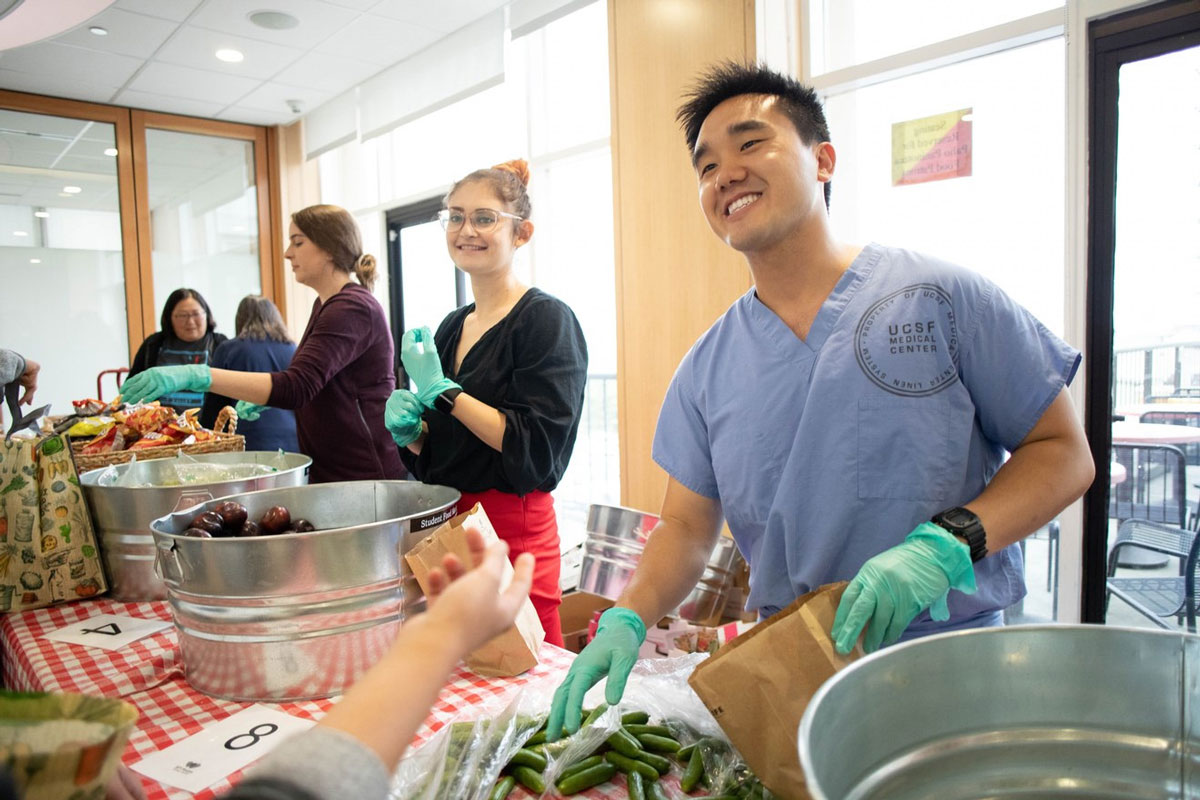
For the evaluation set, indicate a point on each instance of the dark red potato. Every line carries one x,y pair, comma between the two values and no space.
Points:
198,533
303,526
233,514
249,529
210,521
277,520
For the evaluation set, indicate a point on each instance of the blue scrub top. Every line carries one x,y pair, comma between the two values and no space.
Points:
915,379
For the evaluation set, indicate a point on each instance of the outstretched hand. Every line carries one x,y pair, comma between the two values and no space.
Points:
468,601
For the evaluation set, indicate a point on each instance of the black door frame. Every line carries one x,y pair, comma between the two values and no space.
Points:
418,213
1113,41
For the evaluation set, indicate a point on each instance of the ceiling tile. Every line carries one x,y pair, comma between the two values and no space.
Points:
196,47
357,5
436,14
129,34
379,40
177,10
167,103
328,73
192,84
57,86
50,58
317,20
274,97
250,116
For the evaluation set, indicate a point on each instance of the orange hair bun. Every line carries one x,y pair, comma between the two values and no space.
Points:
518,167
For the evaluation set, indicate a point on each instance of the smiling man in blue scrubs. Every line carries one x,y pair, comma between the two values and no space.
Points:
849,416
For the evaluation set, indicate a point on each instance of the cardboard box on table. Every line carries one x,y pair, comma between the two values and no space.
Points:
758,685
512,652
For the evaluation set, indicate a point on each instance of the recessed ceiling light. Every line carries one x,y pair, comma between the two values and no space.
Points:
230,55
71,190
273,20
96,30
110,151
20,233
42,214
35,261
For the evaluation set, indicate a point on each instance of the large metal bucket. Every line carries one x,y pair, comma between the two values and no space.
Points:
1046,711
300,615
122,515
613,547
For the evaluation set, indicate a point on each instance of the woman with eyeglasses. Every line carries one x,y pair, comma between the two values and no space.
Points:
187,335
342,373
499,388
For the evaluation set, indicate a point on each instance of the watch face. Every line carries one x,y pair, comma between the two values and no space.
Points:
959,517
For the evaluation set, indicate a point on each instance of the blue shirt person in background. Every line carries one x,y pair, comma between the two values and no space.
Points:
262,345
849,416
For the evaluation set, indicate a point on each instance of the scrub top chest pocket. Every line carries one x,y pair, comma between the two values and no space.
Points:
904,449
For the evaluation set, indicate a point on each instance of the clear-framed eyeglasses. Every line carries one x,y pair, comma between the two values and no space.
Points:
482,219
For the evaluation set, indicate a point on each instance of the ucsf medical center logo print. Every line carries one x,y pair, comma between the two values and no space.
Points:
907,343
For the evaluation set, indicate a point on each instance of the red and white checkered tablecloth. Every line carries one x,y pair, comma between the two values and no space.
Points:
148,673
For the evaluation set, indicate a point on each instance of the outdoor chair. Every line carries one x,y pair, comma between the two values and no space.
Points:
1157,597
1156,486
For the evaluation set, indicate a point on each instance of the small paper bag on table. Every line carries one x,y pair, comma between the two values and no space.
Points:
758,685
512,652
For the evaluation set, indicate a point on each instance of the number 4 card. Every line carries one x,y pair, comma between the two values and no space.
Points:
108,631
221,749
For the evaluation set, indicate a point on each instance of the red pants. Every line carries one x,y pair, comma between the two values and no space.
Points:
528,525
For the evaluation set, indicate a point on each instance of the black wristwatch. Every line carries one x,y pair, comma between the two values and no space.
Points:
444,402
962,522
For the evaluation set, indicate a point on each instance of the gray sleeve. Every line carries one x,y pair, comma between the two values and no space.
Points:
12,366
329,763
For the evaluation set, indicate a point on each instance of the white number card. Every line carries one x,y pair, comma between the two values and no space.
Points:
221,749
108,631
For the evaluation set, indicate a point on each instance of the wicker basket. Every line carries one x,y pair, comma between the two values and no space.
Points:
225,440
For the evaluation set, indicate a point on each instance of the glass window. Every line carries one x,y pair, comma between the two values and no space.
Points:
1004,220
61,261
857,31
203,219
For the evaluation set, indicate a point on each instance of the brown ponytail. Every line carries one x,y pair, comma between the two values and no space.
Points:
365,270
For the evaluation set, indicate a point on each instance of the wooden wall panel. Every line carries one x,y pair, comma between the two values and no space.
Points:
299,186
674,277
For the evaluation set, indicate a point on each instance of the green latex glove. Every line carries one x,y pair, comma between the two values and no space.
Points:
895,586
419,355
613,652
155,382
248,411
402,416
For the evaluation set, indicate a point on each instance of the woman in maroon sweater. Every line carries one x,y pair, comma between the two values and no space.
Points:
343,370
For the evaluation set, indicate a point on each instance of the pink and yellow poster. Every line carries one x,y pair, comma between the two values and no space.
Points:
932,148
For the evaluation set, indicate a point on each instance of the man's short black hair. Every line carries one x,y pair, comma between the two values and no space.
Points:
730,79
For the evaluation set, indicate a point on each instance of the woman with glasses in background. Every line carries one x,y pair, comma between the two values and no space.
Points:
499,388
187,335
343,371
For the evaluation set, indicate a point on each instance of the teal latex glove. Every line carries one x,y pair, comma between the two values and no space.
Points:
402,416
419,355
155,382
613,652
895,586
248,411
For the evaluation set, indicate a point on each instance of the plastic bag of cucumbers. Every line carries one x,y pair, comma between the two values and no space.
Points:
660,742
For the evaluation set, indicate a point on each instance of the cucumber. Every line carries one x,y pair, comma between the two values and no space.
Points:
530,779
588,778
658,744
631,765
503,787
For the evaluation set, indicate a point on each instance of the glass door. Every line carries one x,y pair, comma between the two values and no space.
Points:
67,264
1144,338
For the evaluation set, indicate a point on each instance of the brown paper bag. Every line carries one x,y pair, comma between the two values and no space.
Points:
758,685
515,650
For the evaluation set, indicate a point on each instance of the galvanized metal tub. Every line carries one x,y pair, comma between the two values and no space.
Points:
298,615
613,547
122,515
1045,711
